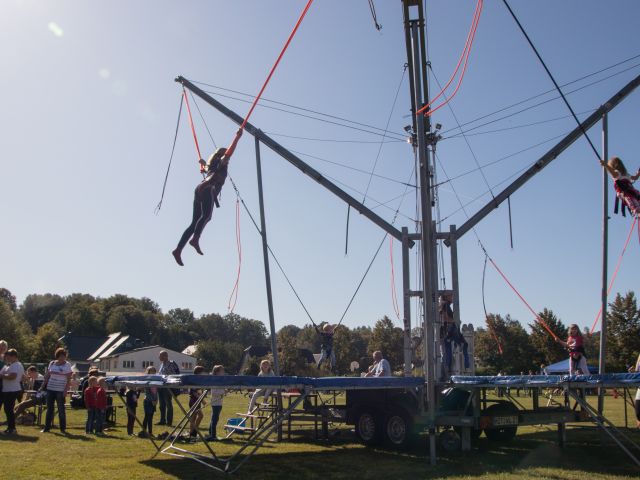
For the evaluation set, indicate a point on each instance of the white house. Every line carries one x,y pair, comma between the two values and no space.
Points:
137,361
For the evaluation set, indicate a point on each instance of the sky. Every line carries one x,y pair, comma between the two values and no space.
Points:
90,109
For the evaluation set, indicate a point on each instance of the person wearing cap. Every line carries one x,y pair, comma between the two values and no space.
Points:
205,198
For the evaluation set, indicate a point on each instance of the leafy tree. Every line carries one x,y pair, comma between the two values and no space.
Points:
81,319
14,330
179,316
546,349
623,333
517,352
8,297
132,320
40,309
219,352
45,342
389,340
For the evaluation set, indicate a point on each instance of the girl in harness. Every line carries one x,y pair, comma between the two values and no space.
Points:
206,197
622,182
326,349
575,345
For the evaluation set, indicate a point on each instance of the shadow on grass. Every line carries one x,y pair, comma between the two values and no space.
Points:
19,437
586,451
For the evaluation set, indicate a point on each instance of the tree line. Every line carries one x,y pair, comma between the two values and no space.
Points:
35,326
523,351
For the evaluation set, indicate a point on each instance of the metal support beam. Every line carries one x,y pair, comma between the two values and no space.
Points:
428,246
265,255
406,296
548,157
295,161
605,248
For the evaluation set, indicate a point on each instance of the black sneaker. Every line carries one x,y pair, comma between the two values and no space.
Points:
10,431
44,430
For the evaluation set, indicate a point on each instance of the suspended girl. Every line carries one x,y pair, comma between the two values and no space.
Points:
622,182
206,197
575,345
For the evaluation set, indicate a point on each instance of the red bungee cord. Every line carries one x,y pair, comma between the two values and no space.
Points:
193,130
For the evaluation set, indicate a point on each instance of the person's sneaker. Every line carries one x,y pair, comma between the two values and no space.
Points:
44,430
10,431
195,243
210,438
160,423
177,255
143,434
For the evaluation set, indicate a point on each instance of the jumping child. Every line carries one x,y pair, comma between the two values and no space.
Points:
206,197
622,182
575,345
326,349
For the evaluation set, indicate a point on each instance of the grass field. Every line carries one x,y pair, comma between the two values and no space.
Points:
533,454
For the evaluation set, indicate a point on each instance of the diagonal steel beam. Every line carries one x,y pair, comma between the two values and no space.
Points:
295,161
548,157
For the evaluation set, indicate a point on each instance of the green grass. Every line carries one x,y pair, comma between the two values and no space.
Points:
532,454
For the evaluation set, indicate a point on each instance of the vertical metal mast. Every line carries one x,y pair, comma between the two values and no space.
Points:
415,36
605,248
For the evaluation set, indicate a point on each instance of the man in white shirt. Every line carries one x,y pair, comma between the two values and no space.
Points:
380,367
11,375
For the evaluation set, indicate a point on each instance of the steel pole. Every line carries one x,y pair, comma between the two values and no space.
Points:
605,250
265,254
406,296
428,292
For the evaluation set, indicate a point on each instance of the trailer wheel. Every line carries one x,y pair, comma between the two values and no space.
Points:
503,433
450,441
368,427
398,429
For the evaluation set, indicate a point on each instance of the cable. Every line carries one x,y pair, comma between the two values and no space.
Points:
464,55
393,106
484,307
332,162
308,110
372,7
398,136
193,98
332,140
584,132
193,130
233,297
473,154
173,148
533,97
615,272
273,255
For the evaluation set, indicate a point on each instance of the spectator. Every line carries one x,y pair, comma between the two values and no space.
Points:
131,399
265,371
165,395
33,381
56,383
636,403
3,348
149,405
90,401
11,375
101,405
380,367
216,405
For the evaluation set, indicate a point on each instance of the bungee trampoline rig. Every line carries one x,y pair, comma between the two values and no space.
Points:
440,403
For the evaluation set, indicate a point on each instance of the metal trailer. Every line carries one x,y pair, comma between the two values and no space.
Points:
394,411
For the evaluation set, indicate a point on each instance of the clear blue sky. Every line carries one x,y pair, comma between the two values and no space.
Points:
89,110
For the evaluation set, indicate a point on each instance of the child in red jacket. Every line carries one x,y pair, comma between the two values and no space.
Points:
101,405
90,404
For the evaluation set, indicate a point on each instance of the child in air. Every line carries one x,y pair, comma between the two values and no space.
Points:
623,184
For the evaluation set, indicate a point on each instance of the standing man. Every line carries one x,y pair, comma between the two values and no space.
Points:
11,375
380,367
165,396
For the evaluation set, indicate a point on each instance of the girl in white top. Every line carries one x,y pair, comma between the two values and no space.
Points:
265,371
216,405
